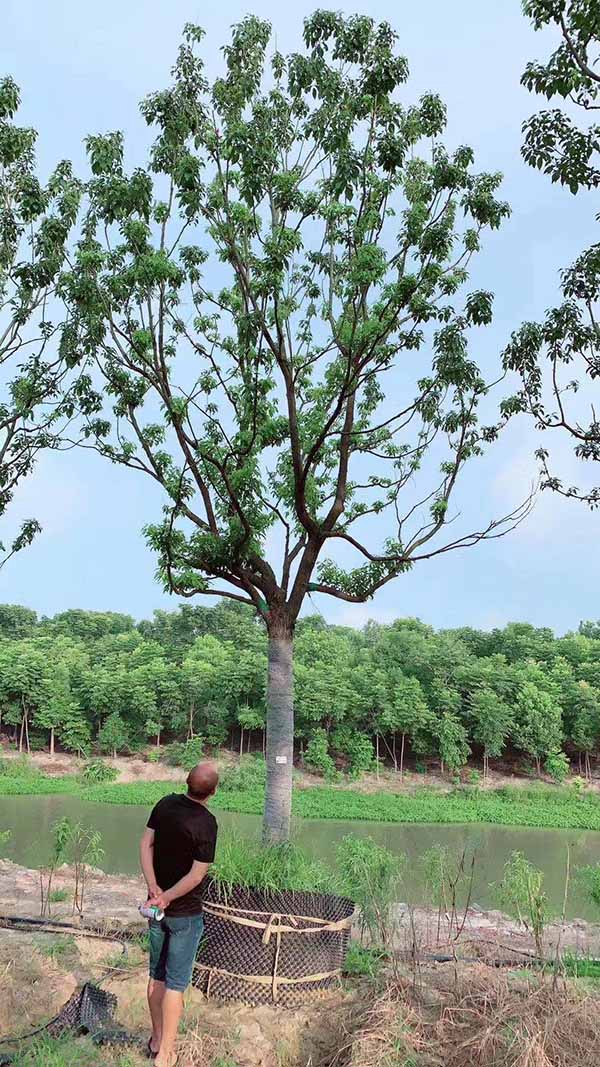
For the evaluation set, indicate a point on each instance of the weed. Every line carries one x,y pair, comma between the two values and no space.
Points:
61,949
521,893
370,875
364,962
580,967
64,1052
242,862
97,771
20,767
58,896
449,883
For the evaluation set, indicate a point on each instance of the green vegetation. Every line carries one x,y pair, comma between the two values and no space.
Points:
244,862
97,770
193,680
364,962
521,893
61,949
67,1052
580,967
370,875
58,896
544,806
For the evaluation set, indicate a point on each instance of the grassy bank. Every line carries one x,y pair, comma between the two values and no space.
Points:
542,806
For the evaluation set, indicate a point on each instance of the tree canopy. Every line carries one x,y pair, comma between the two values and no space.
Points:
559,358
403,691
37,393
277,311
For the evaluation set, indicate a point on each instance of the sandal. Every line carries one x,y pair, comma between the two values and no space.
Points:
150,1053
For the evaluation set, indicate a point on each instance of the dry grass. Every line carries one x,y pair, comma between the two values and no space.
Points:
493,1020
484,1019
33,987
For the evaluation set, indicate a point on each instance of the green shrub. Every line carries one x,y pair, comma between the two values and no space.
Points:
97,770
557,765
184,754
21,767
364,962
420,767
521,892
356,747
317,756
371,875
589,878
153,756
473,776
38,742
247,775
58,896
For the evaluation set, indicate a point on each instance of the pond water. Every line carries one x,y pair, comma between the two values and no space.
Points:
30,820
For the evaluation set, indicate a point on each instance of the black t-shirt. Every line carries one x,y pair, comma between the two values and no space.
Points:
184,831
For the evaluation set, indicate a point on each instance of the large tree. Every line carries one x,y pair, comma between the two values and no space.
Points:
36,389
276,306
559,358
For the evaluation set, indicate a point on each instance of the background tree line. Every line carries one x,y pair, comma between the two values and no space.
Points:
387,693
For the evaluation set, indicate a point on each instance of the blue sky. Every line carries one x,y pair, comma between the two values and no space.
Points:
83,68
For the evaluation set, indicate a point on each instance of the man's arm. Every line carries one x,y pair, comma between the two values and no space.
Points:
147,861
196,874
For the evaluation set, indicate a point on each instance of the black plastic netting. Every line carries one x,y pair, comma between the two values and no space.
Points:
89,1009
262,947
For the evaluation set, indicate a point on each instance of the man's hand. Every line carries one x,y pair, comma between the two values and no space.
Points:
154,890
160,900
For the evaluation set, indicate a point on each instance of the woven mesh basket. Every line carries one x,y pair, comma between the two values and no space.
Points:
262,947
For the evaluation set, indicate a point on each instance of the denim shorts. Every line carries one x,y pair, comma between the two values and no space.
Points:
173,947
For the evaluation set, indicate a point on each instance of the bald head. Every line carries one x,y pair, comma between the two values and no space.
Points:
202,781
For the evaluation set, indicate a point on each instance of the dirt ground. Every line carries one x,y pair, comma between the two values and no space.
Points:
359,1025
114,900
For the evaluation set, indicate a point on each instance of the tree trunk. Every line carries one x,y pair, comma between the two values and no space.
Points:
280,733
26,727
377,754
158,739
394,753
241,741
51,740
402,757
191,723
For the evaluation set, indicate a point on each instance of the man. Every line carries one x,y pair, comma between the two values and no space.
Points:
176,850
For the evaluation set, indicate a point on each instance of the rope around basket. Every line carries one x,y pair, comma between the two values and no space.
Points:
273,924
265,979
220,911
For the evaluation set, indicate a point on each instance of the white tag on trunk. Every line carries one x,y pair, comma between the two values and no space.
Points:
280,759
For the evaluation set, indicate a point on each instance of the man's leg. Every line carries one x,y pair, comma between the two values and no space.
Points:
183,939
159,939
156,992
172,1007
